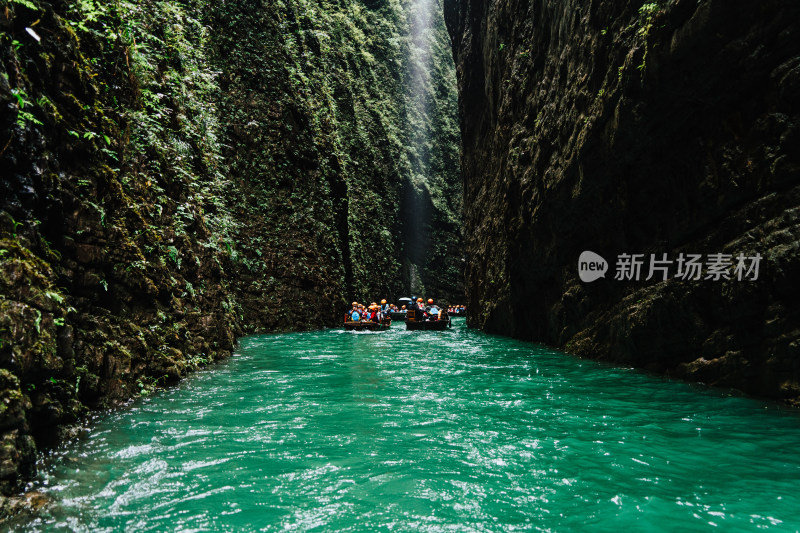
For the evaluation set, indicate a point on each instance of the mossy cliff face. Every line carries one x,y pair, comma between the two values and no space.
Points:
328,145
113,229
175,174
623,127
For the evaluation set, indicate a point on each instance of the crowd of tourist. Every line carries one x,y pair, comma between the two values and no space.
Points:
427,312
371,313
375,312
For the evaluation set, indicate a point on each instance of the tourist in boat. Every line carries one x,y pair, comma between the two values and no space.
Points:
433,309
422,310
430,314
349,314
374,315
384,306
355,316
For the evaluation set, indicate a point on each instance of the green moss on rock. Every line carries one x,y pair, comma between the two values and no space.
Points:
178,173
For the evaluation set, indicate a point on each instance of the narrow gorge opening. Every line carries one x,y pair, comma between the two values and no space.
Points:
430,204
182,179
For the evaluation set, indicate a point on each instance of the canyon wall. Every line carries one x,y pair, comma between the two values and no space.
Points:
625,127
174,174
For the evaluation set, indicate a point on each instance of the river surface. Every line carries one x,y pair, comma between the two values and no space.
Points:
426,431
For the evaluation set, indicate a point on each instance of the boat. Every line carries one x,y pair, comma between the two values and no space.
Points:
426,325
365,325
401,314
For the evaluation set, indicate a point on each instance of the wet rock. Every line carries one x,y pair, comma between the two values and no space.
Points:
29,503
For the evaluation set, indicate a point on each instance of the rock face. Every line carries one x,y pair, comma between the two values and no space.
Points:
176,174
621,127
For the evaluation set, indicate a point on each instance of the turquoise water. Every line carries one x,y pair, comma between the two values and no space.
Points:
427,431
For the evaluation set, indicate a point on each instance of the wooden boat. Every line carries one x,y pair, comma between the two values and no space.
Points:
364,325
398,315
426,325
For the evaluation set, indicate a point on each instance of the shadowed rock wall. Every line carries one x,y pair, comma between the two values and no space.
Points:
630,127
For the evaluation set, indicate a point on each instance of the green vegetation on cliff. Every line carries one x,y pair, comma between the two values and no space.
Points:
177,173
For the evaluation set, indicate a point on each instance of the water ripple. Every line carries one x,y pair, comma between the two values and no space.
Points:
433,431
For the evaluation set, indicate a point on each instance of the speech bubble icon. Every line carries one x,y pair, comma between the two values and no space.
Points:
591,266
